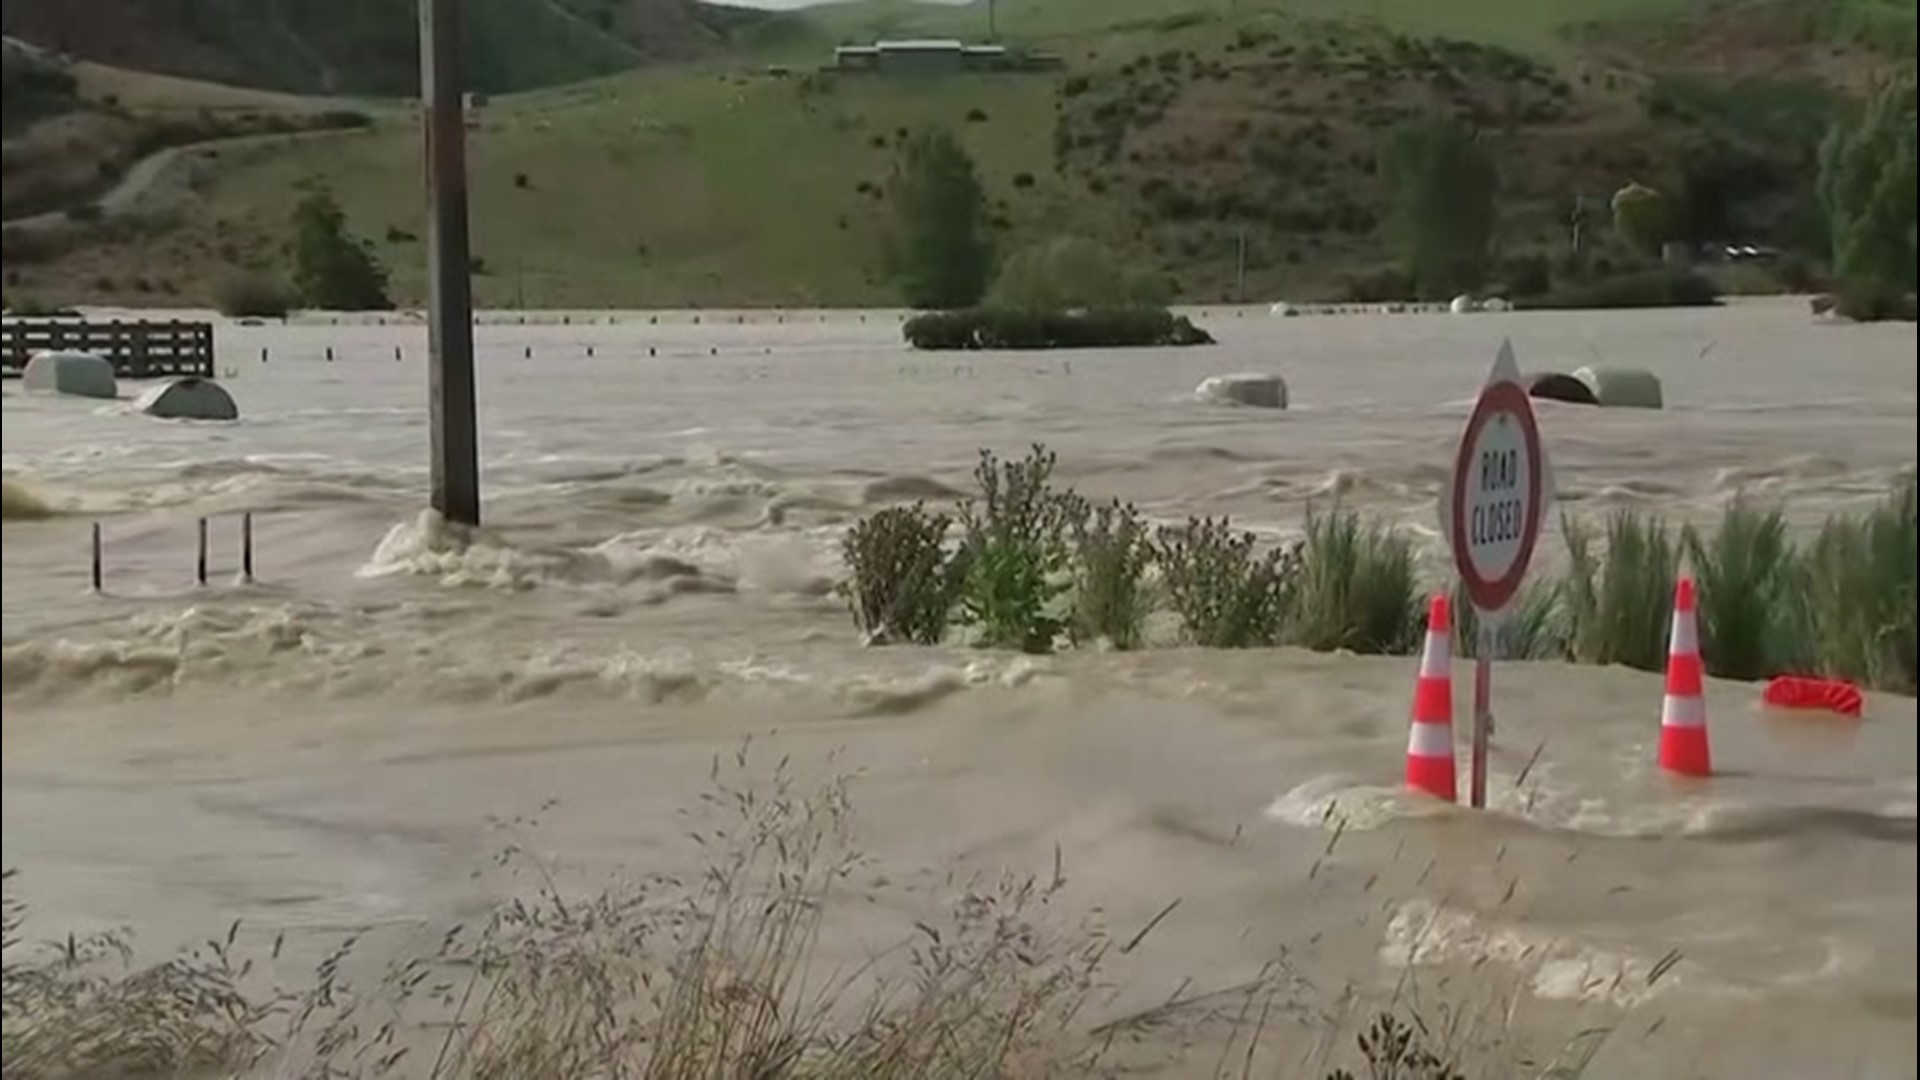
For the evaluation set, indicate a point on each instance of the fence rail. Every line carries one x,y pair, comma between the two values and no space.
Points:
137,350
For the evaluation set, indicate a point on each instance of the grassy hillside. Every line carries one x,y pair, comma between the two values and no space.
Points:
1173,140
358,46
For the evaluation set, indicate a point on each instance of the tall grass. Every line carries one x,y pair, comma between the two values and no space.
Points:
1859,587
1535,628
1618,603
1357,586
1750,582
713,977
1111,596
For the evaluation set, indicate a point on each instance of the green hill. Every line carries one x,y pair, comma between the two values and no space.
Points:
1174,139
359,46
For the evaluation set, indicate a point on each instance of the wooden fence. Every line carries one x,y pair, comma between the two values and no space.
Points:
137,350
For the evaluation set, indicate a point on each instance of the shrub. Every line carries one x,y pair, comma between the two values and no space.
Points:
903,585
1748,578
333,271
1112,549
1357,589
1642,217
249,296
1861,596
341,118
1228,595
1526,275
1001,328
85,212
1618,604
1664,287
1015,552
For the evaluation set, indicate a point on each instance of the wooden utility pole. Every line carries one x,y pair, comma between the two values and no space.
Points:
452,427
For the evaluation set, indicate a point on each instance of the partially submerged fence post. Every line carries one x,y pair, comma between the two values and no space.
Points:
246,547
96,557
200,564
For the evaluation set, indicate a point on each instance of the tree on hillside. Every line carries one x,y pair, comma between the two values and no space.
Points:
1867,189
1642,217
1069,273
940,251
332,270
1441,185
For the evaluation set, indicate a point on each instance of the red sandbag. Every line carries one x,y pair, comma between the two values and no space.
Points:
1803,692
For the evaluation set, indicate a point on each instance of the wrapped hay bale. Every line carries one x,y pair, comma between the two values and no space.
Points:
1623,387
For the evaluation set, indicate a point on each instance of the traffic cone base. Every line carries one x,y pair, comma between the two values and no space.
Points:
1430,766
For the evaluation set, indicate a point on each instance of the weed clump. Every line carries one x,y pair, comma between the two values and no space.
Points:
1357,587
1618,603
903,586
1016,552
1227,595
1111,597
1748,577
1860,590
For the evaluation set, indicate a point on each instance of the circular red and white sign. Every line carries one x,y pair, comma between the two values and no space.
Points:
1497,499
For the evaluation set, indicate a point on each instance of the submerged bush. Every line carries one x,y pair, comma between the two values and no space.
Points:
1011,328
1016,552
1618,604
1111,551
1748,576
903,585
1357,587
1664,287
1227,594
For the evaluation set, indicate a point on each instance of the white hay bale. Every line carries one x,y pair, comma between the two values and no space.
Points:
191,398
76,373
1260,390
1496,303
1623,387
1282,308
1463,305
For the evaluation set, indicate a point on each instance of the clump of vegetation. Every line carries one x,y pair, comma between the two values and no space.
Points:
904,585
333,271
1016,552
67,1012
1618,603
940,250
1357,588
1005,328
1748,578
1228,594
1111,597
1659,287
1534,628
1861,596
250,296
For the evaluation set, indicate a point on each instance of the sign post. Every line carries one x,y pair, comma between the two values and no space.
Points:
1491,516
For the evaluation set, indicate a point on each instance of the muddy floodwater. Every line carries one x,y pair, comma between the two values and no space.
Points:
342,745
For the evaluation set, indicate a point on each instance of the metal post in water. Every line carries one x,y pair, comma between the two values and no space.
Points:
1482,725
97,572
453,429
200,563
246,547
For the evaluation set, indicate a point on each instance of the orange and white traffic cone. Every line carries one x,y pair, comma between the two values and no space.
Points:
1683,716
1430,745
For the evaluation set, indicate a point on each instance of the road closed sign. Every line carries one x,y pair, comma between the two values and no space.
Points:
1498,495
